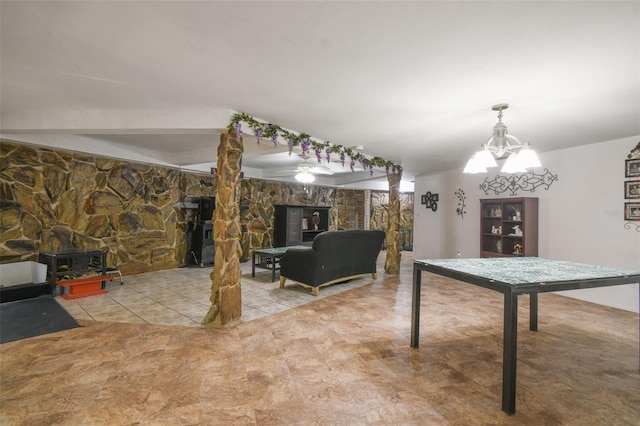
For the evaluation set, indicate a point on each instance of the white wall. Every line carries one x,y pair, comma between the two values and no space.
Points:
580,215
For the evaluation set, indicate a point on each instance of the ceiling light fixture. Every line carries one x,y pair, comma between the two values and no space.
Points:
499,145
305,177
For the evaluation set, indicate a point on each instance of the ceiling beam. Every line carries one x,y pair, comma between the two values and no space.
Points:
116,121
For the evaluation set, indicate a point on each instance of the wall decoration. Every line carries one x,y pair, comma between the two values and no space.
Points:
526,182
461,205
632,168
430,200
635,153
632,211
632,189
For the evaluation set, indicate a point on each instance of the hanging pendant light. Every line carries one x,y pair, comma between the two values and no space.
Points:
520,156
305,177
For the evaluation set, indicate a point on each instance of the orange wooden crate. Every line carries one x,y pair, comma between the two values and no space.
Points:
83,287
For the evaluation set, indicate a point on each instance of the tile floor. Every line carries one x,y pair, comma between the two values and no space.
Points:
339,360
181,297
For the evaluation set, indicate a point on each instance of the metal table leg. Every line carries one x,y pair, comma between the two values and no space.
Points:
509,353
253,265
533,311
273,268
415,307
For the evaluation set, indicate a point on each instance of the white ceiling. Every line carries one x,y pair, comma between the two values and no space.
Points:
413,82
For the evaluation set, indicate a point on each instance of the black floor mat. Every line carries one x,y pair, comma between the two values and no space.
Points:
33,317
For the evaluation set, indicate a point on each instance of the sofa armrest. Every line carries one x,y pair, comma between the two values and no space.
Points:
300,264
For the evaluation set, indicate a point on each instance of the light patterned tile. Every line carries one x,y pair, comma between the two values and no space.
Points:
181,297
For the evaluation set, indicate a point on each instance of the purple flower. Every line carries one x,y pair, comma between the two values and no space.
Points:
371,169
319,155
386,168
305,146
328,151
258,133
342,158
274,138
352,165
290,143
237,128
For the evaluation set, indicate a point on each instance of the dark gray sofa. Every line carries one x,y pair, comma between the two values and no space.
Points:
335,256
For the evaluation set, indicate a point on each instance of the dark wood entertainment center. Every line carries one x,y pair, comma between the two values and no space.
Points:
296,225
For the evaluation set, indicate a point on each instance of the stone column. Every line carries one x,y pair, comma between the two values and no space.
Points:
226,298
392,264
367,209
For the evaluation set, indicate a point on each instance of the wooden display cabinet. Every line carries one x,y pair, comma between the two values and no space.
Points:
500,219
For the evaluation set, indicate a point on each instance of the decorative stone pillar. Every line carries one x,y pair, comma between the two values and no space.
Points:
226,298
392,264
367,209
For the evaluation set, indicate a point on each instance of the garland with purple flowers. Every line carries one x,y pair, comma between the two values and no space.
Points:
272,131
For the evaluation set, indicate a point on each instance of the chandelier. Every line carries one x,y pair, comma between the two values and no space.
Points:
500,144
305,177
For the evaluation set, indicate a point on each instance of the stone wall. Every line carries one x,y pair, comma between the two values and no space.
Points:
52,199
258,198
55,199
380,215
349,206
347,209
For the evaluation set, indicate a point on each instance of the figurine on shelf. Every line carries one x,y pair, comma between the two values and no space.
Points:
315,220
517,232
517,249
518,215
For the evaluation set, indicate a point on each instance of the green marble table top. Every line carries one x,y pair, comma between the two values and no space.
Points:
525,270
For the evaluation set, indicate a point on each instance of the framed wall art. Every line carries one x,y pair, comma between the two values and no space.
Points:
430,200
632,211
632,168
632,189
